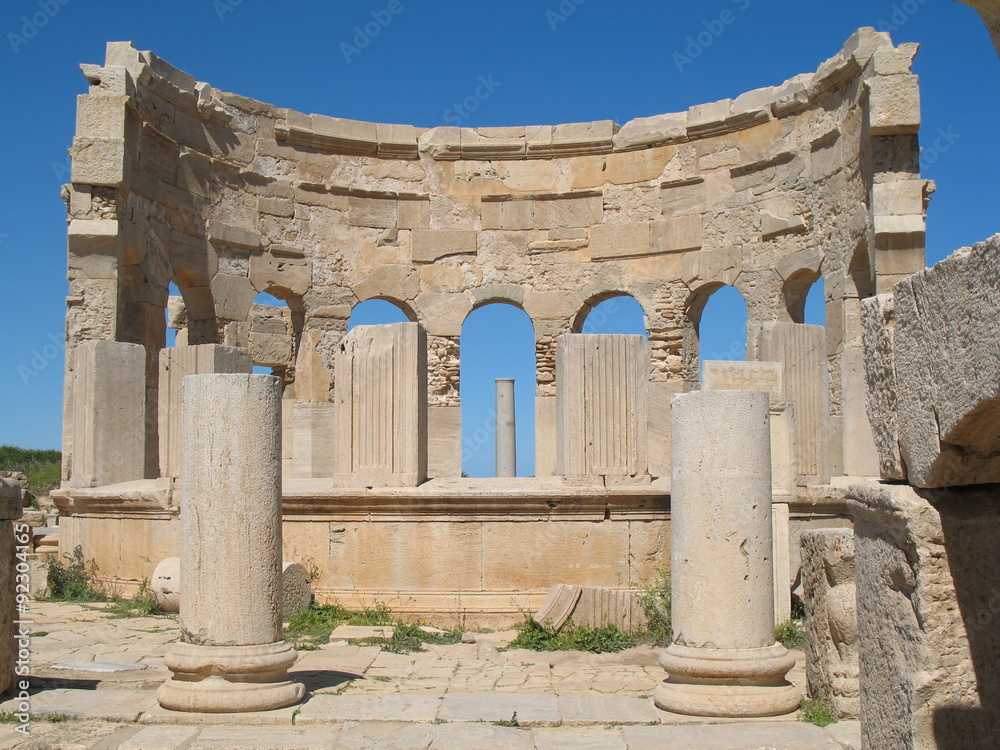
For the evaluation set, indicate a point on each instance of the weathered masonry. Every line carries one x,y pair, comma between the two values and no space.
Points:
174,182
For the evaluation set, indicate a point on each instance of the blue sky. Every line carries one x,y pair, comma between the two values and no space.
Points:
549,61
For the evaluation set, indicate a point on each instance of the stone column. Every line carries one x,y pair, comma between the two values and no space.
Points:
231,656
723,660
506,437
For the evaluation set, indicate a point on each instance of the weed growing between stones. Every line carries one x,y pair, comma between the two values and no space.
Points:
77,581
656,603
534,637
790,635
815,711
74,581
308,628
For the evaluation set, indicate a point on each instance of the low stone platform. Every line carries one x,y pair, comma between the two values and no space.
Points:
461,696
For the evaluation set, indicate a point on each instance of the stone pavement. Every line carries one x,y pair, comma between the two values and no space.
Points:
463,696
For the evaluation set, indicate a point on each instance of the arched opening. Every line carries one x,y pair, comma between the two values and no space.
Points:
375,312
719,315
620,313
498,341
797,289
175,316
814,310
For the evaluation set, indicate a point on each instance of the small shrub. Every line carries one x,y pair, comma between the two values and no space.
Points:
377,614
790,635
534,637
314,624
408,638
815,711
142,604
512,722
74,581
656,603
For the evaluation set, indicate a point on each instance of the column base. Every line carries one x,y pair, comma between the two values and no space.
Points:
727,682
229,679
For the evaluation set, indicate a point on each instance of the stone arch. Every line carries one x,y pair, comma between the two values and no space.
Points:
489,351
694,310
595,301
795,291
405,308
199,307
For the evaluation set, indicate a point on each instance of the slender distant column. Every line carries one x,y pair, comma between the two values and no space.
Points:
506,437
723,660
232,656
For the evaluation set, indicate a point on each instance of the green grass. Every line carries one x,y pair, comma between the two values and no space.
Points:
815,711
790,634
309,628
534,637
8,717
43,468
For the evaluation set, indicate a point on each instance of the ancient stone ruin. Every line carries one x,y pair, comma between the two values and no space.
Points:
855,465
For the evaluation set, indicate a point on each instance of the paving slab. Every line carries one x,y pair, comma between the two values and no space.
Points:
846,732
382,707
481,737
99,666
269,738
579,738
531,710
160,738
379,735
159,715
607,709
109,705
352,632
794,735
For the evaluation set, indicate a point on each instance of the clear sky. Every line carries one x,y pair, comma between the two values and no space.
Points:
416,62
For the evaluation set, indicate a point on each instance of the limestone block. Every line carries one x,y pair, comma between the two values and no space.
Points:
508,214
396,141
723,660
272,349
109,413
681,197
344,136
718,264
176,363
558,606
743,376
231,656
98,161
801,350
93,247
431,244
10,578
233,296
269,270
371,211
933,370
568,211
601,402
927,604
645,132
579,138
772,226
166,584
784,468
296,589
658,435
552,305
545,436
381,406
313,439
619,241
831,625
413,213
444,441
676,234
898,198
228,234
804,260
893,105
442,312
